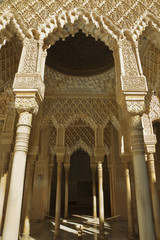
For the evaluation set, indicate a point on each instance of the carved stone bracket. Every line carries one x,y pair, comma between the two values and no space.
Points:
29,82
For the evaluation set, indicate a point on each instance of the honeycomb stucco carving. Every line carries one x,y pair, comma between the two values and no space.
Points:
40,19
57,83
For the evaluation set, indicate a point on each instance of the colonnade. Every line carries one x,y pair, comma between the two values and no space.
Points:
29,92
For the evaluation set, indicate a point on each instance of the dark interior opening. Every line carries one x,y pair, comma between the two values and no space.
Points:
80,55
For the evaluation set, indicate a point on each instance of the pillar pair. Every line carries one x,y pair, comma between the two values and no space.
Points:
29,92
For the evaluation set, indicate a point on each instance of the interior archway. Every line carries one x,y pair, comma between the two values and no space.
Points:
80,55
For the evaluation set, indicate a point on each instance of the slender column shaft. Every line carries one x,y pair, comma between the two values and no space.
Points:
111,189
144,208
66,193
13,211
49,188
129,203
58,200
26,227
101,199
94,193
3,184
154,193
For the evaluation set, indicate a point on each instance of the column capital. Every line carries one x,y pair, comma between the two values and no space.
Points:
93,166
126,158
60,151
99,154
66,167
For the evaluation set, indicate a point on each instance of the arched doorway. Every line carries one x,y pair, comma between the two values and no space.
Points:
80,184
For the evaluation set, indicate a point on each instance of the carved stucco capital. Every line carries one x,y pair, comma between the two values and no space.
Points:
99,154
135,107
150,148
26,105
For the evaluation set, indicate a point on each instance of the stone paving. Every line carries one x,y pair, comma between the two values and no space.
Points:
114,230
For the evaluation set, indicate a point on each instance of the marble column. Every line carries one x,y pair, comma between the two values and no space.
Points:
93,168
14,203
66,167
131,233
109,165
26,226
60,160
154,193
101,199
144,208
50,173
3,184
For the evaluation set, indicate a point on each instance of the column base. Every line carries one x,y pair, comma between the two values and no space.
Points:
25,237
102,236
57,236
131,236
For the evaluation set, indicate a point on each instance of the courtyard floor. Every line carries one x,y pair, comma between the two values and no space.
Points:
114,230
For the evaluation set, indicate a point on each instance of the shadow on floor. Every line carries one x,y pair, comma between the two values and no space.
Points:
114,230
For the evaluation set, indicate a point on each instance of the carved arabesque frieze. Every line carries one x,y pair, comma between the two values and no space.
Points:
58,83
129,58
30,57
134,83
65,110
29,82
154,108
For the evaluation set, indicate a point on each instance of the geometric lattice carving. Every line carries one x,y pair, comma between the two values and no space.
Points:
52,136
94,111
151,65
107,136
9,64
74,134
